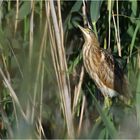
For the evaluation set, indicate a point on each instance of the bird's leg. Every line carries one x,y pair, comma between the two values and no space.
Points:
107,102
106,107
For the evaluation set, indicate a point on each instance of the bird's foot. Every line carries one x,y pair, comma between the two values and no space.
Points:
107,103
106,107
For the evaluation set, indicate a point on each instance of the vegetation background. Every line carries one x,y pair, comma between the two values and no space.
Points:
44,90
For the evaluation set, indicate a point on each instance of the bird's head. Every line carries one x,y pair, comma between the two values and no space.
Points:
88,34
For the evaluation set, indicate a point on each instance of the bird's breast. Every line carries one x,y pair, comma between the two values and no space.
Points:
93,59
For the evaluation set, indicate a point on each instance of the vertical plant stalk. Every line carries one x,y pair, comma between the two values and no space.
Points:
62,71
138,59
31,38
138,92
84,13
31,32
41,102
42,46
41,131
54,52
109,21
25,28
81,115
134,38
77,90
62,43
117,36
118,30
40,14
52,43
17,12
9,5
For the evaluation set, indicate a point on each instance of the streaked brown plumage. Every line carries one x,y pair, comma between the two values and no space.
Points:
102,67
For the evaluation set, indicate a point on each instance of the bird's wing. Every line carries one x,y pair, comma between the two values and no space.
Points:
111,74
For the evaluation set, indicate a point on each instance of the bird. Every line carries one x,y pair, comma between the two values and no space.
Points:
102,67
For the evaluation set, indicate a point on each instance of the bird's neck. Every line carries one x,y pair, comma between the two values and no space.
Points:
86,49
90,46
91,43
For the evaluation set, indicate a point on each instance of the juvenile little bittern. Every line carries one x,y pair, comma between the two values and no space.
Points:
103,69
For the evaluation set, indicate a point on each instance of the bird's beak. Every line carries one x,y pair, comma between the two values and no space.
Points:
82,29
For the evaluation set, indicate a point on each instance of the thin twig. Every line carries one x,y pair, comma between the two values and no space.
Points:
109,22
12,93
84,13
116,34
31,31
125,16
118,30
78,89
81,115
